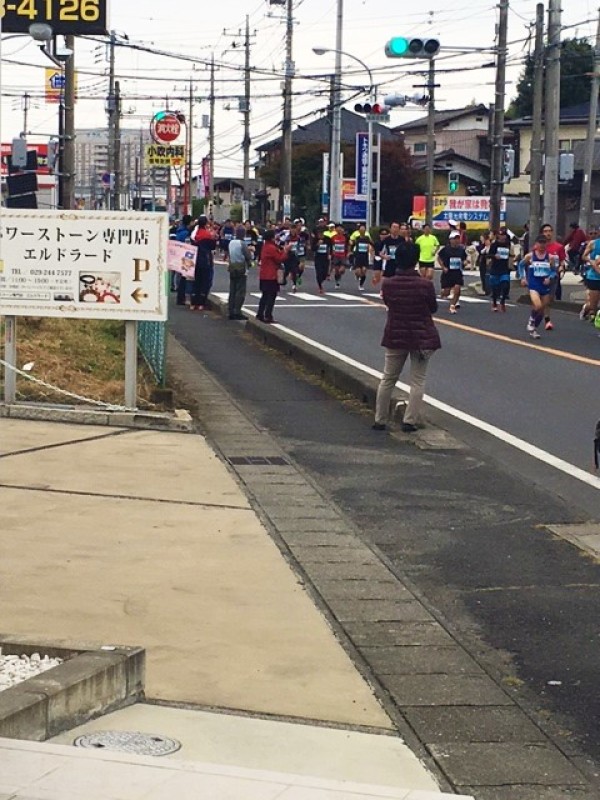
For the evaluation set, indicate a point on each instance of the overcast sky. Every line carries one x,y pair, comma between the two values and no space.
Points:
150,82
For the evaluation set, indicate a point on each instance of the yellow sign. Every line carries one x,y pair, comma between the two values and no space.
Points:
54,84
162,155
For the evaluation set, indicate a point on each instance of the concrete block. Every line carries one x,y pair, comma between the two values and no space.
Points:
445,690
472,724
421,660
502,764
23,714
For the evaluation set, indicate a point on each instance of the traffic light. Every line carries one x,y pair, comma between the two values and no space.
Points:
453,181
402,47
508,168
370,108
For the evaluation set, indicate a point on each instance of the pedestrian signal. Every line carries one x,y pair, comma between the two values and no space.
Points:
402,47
453,182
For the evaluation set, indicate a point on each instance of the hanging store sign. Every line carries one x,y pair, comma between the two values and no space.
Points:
165,127
165,156
83,264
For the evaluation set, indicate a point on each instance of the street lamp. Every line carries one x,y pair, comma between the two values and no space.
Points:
335,183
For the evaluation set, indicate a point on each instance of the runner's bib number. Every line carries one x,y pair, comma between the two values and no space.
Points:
541,269
503,252
455,263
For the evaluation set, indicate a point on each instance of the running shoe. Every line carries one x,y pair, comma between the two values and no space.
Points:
299,281
583,312
294,290
534,334
457,306
530,326
337,284
494,307
452,309
549,326
361,288
503,307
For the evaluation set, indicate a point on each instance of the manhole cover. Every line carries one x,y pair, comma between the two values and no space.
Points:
144,744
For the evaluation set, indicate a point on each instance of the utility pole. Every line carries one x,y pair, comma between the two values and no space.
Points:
211,132
535,175
285,178
187,191
335,178
246,112
552,114
25,106
585,210
430,167
117,156
68,165
497,166
111,110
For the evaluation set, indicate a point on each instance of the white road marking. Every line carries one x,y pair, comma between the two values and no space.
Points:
354,298
306,296
502,435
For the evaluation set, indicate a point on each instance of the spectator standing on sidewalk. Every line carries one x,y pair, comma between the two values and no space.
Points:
240,259
206,242
409,333
271,263
574,245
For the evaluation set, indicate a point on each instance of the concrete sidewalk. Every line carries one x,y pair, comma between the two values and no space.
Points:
142,537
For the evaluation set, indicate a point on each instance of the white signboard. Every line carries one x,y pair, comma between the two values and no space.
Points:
83,264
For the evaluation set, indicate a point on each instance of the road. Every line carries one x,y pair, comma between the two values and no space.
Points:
533,396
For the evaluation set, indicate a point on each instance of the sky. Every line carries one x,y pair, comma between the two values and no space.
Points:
151,81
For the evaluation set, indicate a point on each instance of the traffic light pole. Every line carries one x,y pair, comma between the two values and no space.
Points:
430,143
497,166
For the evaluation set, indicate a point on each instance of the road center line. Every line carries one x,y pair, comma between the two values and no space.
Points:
519,444
503,338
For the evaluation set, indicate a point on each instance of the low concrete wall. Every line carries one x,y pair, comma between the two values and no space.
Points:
90,682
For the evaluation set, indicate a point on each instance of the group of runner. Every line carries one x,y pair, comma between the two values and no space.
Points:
334,252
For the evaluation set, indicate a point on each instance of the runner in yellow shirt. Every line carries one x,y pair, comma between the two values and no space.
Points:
428,245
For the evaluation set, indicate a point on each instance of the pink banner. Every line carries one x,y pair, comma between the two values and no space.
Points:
181,258
206,176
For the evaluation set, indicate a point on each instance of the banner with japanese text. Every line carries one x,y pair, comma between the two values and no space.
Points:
474,211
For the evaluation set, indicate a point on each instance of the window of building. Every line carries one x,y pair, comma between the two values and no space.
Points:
565,145
420,147
596,202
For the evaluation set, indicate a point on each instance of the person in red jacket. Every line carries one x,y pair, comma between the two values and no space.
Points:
409,333
271,260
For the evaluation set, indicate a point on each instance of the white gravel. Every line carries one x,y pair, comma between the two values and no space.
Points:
16,669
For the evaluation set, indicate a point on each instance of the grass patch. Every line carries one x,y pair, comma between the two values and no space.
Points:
86,357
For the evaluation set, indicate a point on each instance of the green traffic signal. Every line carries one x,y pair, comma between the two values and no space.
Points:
402,47
397,46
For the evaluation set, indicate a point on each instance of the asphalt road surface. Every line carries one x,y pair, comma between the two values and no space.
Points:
539,397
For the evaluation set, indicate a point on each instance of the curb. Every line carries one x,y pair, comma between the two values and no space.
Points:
92,681
179,420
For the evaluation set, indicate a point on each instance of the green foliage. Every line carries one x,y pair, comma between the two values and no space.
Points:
235,212
576,64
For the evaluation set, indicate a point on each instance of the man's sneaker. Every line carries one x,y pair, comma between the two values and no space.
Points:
530,326
408,428
549,326
294,289
503,307
452,309
457,306
534,334
337,284
583,312
378,426
494,307
361,288
299,281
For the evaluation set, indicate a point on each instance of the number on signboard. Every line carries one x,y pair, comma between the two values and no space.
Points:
73,10
2,8
89,10
27,9
49,4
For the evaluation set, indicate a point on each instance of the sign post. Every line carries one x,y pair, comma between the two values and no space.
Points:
83,265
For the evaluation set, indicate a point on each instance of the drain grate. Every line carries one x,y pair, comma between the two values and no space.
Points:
144,744
258,461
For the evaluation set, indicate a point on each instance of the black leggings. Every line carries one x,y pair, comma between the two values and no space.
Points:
270,290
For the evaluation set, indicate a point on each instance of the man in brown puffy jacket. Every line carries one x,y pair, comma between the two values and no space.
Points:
409,333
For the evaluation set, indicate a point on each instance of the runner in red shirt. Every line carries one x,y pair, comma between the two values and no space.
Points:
554,248
339,253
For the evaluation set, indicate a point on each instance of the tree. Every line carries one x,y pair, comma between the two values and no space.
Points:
398,179
576,66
